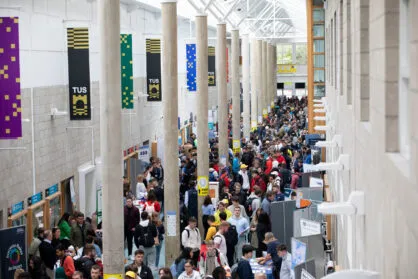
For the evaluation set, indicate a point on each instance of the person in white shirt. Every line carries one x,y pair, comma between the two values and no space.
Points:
190,237
245,178
286,271
219,239
141,190
256,199
189,272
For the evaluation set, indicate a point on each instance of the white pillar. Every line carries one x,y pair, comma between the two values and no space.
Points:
274,72
202,103
259,79
264,73
236,90
269,74
254,88
110,136
222,91
246,84
170,111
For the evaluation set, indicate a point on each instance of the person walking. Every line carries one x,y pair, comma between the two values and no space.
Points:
131,219
66,262
161,231
244,268
242,227
146,235
189,272
263,227
79,230
207,210
36,241
47,253
64,226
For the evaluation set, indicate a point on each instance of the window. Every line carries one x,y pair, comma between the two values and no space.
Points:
319,76
319,61
301,54
365,63
318,30
318,15
404,73
319,45
319,91
284,54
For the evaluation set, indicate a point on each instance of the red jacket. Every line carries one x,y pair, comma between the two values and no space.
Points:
258,180
68,264
269,166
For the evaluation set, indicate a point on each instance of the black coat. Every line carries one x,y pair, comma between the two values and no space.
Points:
48,256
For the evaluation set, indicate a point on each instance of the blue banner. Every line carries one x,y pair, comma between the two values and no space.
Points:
51,190
17,207
191,66
35,199
12,251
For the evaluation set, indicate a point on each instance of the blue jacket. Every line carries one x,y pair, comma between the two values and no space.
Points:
235,165
244,270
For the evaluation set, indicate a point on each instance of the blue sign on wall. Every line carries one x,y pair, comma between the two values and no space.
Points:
51,190
35,199
17,207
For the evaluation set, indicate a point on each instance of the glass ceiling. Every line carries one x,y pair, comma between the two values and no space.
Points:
269,19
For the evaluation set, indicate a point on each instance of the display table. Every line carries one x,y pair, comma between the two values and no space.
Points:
267,268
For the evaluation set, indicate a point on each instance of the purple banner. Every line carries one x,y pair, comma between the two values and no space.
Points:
10,105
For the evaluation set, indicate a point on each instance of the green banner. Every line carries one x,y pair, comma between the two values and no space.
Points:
126,71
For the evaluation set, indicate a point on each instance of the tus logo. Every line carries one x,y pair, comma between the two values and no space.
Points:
14,253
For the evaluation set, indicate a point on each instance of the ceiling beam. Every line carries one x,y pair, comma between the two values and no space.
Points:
231,9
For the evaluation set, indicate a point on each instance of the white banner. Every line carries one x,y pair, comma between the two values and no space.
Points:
308,227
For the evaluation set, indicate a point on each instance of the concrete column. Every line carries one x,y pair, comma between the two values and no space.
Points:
170,111
246,84
236,90
254,88
269,74
222,91
111,145
259,79
202,103
264,73
274,72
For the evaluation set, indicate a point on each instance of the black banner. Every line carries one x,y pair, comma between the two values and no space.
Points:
154,70
211,66
12,251
79,73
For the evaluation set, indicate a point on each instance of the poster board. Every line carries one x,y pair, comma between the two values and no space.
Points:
12,251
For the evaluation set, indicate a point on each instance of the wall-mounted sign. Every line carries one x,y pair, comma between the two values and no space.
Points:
144,153
17,207
286,69
203,186
35,199
51,190
309,227
236,146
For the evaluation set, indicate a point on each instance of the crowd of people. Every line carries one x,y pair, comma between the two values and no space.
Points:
236,227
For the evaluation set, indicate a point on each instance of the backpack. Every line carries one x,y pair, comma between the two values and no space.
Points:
248,206
150,208
192,203
188,235
146,238
84,265
231,236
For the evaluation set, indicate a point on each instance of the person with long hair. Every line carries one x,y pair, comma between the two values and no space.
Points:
161,230
152,205
36,268
189,271
207,210
65,229
186,254
253,228
165,271
263,226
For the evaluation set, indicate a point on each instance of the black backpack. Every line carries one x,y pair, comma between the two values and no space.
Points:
192,204
231,236
146,238
84,265
248,206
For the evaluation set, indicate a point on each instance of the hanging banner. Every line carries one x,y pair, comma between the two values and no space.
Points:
17,207
203,186
35,199
236,146
191,67
127,82
51,190
286,69
79,73
154,70
12,251
10,97
211,67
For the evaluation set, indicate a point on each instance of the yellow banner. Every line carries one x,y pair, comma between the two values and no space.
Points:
236,146
265,112
112,276
203,186
286,69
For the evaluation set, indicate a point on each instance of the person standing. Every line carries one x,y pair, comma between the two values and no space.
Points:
265,205
190,238
235,203
219,238
36,241
207,210
79,230
47,253
65,228
131,219
244,268
286,271
189,272
242,226
95,272
244,178
263,227
66,261
144,272
146,235
161,231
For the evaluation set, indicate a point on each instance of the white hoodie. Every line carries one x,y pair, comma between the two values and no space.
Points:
191,238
